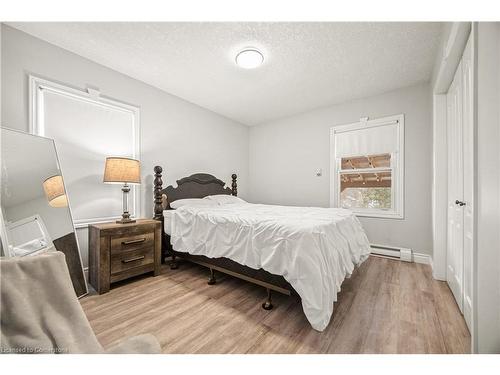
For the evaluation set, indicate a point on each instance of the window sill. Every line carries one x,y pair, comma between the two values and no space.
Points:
380,215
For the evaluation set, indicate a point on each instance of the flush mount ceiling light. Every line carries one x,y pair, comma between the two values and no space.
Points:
249,58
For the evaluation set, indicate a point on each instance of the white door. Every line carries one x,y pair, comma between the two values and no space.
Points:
460,128
468,177
454,254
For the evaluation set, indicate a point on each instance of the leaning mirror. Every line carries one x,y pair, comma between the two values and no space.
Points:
35,211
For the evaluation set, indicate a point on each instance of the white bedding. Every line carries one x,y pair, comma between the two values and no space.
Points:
167,221
313,248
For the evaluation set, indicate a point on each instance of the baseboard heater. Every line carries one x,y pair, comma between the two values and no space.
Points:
398,253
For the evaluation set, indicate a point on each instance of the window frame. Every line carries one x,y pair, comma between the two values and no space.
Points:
38,86
397,168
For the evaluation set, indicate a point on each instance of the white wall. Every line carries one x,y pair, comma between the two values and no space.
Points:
181,137
285,154
487,272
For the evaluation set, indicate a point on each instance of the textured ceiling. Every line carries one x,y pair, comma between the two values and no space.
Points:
307,65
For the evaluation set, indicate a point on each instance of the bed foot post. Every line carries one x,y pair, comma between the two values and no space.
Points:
211,279
267,305
173,263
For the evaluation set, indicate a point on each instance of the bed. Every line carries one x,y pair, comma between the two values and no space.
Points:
304,250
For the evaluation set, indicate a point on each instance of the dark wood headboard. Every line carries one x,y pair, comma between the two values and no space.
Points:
198,185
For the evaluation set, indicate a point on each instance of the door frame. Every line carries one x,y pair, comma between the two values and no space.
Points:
451,54
455,217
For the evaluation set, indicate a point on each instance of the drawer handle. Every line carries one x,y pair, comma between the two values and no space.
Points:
131,242
133,259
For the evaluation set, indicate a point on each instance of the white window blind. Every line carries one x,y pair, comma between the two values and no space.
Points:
373,140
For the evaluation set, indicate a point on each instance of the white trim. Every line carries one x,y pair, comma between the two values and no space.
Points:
452,53
397,166
439,186
454,48
37,85
3,235
97,220
86,273
422,258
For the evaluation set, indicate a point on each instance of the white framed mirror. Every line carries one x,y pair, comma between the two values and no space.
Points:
35,210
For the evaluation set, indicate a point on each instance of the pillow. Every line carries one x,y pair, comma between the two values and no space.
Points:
164,202
194,202
221,199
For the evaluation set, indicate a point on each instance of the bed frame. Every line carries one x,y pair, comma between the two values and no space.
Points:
200,185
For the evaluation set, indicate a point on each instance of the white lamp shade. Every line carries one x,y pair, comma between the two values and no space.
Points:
54,191
122,170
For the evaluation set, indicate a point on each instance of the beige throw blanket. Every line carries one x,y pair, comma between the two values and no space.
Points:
41,314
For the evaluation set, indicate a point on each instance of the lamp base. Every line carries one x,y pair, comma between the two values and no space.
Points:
125,215
125,221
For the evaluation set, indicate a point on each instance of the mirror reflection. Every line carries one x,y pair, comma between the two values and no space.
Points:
34,206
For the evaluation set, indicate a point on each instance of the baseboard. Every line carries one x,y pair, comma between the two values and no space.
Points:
408,255
422,258
436,274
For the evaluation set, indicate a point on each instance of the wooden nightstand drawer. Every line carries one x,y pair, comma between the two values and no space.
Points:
131,259
120,251
137,241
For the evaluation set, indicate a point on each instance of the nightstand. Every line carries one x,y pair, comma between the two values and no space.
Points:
119,251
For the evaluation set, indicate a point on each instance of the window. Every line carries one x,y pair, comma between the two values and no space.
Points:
367,160
87,128
366,189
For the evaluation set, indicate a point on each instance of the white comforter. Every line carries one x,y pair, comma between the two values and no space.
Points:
313,248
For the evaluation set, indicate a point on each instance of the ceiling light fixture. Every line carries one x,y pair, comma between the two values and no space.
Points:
249,58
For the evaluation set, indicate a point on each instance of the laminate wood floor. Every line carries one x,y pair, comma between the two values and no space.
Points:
386,306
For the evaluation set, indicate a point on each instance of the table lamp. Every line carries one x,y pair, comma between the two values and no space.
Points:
54,191
126,171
